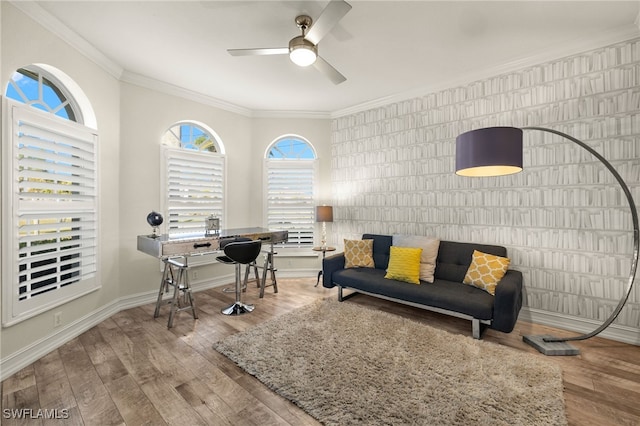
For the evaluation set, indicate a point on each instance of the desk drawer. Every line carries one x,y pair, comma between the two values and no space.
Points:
182,248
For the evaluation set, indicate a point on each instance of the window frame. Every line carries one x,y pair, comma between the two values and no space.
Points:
15,310
57,86
169,151
311,164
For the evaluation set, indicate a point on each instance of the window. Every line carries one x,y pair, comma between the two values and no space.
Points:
291,176
50,247
193,178
39,89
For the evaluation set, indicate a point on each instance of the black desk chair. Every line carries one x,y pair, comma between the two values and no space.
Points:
238,254
253,265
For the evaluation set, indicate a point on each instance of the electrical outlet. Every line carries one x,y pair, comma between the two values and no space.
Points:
194,274
57,319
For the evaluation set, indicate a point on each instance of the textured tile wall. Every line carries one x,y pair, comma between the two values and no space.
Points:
564,220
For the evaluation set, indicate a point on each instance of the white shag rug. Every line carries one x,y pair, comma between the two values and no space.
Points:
346,364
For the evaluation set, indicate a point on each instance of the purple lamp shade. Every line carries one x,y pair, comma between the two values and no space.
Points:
492,151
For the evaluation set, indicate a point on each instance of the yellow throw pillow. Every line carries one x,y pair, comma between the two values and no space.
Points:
358,254
486,271
404,264
429,246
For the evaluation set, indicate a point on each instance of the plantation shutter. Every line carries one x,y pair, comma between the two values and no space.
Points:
194,189
290,199
54,215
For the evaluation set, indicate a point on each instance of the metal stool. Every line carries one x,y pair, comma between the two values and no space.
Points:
238,254
268,267
176,274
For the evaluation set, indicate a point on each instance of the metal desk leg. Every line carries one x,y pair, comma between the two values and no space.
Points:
167,277
176,274
269,267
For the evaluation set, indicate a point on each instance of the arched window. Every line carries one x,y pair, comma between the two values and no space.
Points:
51,159
40,89
193,177
290,185
190,135
291,148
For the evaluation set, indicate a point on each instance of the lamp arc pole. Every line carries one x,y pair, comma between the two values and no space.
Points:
636,238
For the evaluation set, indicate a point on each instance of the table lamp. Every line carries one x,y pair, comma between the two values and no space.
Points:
324,214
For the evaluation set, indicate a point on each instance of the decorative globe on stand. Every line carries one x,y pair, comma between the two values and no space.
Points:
154,219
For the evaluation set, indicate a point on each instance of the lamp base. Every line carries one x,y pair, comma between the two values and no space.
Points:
550,348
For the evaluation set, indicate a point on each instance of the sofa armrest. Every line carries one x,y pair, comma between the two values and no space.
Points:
508,301
329,265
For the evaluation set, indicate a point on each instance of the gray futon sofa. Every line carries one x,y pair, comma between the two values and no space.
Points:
447,294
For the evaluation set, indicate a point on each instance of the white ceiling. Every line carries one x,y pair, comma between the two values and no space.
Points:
386,49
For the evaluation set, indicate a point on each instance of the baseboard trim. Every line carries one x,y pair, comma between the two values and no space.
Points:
36,350
33,352
615,332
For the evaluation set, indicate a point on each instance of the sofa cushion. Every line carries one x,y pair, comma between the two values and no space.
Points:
486,271
404,264
454,258
358,253
381,249
429,246
452,296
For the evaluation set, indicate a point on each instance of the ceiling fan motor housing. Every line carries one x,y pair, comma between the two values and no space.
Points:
302,52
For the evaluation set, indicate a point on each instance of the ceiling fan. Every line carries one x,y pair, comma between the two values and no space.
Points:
303,49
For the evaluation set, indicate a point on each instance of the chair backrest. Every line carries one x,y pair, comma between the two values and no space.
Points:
243,252
228,240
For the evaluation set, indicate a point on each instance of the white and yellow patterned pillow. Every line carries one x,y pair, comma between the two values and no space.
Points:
404,264
486,271
358,254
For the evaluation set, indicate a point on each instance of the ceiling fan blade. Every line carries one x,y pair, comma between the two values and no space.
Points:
260,51
325,68
328,19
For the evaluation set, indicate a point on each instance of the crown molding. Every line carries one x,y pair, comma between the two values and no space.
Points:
322,115
53,24
601,40
170,89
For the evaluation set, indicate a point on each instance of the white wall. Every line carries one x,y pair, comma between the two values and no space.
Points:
146,116
24,42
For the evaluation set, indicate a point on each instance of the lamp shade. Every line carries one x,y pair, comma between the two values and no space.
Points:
324,214
492,151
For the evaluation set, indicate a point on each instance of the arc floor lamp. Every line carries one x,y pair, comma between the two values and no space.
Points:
496,151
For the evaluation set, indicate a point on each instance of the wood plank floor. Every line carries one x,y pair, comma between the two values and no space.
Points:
130,369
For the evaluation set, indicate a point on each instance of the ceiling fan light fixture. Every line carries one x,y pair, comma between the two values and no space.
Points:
302,52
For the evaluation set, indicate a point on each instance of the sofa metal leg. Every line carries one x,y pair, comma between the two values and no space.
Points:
475,328
478,327
342,297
